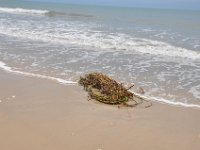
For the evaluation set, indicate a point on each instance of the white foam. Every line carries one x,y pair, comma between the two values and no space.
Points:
3,66
195,90
196,46
162,100
22,11
81,36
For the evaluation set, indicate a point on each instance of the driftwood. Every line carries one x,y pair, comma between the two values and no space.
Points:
106,90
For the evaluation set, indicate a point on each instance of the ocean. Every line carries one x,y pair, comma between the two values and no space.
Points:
156,49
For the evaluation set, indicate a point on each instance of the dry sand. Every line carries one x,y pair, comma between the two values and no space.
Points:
37,114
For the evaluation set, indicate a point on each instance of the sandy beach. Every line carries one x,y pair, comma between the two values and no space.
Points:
38,114
151,48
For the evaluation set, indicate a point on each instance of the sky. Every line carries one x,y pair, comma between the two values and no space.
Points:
174,4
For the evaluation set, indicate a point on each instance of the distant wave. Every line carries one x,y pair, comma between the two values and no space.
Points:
55,13
22,11
79,15
3,66
81,35
48,13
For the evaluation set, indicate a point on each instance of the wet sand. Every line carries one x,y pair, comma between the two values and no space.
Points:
38,114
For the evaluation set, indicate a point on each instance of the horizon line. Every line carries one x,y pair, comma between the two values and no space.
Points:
115,6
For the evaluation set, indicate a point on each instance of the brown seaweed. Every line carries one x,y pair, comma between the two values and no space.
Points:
106,90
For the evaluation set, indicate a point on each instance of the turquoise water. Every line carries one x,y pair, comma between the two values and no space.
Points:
156,49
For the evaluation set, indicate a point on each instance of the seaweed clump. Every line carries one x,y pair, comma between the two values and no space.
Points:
106,90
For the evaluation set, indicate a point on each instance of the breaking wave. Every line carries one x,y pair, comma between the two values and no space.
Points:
55,13
101,40
49,13
22,11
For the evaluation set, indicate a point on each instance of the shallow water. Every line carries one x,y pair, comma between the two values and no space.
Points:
158,50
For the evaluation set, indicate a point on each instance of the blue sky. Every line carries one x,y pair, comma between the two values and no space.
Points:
180,4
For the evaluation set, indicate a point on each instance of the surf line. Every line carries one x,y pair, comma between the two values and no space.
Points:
4,67
161,100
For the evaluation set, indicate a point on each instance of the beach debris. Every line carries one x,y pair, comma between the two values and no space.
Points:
102,88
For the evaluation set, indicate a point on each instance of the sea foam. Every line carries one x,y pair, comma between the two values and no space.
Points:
105,41
3,66
22,11
48,13
165,101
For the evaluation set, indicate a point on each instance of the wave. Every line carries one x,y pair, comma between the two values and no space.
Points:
173,103
23,11
81,35
106,41
4,67
55,13
48,13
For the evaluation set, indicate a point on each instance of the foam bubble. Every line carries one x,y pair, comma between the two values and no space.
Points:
3,66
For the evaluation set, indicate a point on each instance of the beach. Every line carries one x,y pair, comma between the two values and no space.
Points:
42,114
45,47
156,49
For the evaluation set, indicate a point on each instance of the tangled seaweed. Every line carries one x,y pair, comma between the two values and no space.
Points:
106,90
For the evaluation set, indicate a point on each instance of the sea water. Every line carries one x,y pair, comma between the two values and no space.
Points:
156,49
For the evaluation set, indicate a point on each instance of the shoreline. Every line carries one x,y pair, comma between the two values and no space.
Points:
41,114
8,69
